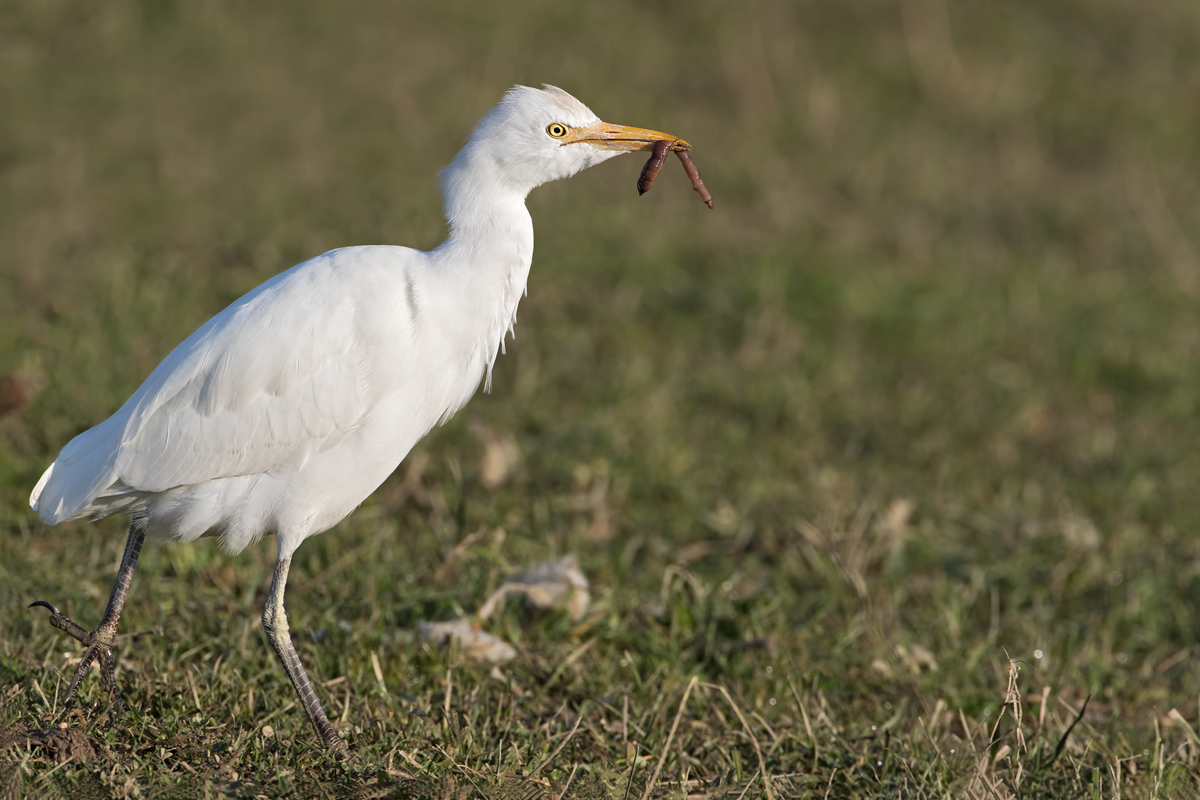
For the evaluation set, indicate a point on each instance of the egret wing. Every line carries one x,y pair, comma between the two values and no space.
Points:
272,379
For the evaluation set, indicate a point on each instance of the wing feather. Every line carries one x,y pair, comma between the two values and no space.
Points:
291,370
270,382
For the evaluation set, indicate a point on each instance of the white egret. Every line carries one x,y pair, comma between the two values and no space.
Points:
285,411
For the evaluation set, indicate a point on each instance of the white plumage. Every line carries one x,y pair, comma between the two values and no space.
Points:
283,412
286,410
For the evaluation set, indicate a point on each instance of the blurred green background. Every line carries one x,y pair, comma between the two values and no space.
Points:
924,382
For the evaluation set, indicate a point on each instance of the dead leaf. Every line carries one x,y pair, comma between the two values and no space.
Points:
475,644
551,585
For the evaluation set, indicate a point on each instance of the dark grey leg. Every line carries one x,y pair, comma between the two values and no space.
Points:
276,624
100,641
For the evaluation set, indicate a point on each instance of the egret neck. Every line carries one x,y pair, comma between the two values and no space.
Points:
483,265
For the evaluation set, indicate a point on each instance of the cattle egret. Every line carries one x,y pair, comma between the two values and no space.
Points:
285,411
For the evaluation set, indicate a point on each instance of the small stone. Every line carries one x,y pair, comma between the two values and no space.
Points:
267,731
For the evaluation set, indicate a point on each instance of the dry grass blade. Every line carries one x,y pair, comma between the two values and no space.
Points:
378,670
1183,723
762,764
1012,698
558,749
670,737
829,785
192,684
812,739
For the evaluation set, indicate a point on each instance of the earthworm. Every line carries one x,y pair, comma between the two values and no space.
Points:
653,165
689,167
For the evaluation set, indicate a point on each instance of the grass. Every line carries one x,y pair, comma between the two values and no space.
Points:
919,398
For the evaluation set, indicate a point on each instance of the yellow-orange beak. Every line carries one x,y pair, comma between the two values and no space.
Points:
605,136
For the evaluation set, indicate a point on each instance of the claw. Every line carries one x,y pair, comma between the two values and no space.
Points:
64,623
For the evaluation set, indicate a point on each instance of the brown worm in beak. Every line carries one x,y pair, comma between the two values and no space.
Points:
689,167
653,166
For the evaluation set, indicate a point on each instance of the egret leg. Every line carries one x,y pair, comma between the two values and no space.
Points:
100,641
275,622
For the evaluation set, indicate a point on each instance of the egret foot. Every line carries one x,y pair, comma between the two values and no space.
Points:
99,645
100,641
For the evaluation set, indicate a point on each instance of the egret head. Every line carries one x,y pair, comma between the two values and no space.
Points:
539,135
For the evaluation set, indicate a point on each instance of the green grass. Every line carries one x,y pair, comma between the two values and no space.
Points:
919,396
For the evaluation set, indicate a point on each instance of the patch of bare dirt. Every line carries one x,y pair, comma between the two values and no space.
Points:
59,744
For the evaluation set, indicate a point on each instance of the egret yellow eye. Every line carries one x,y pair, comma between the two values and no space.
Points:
557,130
